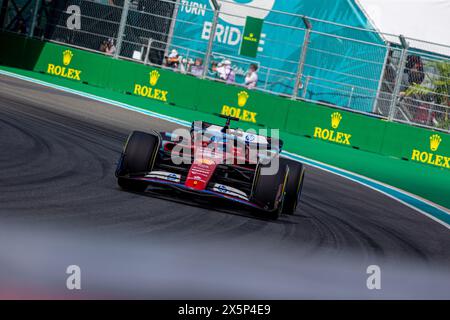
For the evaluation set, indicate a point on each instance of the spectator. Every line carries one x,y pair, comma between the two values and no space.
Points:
226,72
173,60
110,48
198,68
213,72
416,74
390,73
251,79
424,113
103,46
184,64
21,26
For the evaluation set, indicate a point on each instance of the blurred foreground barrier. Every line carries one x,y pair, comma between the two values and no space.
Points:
255,109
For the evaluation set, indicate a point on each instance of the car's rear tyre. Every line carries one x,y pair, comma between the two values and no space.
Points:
138,158
294,185
268,190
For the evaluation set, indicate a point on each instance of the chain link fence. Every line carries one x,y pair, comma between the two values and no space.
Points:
424,82
381,75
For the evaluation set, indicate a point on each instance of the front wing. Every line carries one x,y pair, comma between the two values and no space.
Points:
216,190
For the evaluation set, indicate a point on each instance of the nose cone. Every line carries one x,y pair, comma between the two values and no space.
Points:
200,174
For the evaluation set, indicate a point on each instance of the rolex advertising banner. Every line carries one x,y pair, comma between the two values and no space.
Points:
417,145
281,41
335,126
251,37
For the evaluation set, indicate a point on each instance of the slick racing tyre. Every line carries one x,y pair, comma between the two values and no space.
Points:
268,190
138,158
294,185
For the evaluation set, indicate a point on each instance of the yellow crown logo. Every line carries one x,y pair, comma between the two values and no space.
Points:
336,120
154,77
242,98
67,57
435,141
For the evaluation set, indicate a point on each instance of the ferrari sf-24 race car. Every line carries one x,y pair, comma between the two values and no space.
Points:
216,161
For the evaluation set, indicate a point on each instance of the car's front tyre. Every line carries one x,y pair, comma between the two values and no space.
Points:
294,185
268,190
138,158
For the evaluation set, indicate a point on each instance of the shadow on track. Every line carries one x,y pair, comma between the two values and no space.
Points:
212,204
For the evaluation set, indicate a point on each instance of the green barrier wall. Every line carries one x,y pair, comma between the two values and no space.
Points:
13,49
344,128
255,109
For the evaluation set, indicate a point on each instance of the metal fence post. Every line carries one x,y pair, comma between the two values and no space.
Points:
211,38
380,83
301,62
33,22
305,87
123,22
398,78
352,92
147,54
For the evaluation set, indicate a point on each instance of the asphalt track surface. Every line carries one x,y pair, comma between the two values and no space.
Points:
57,162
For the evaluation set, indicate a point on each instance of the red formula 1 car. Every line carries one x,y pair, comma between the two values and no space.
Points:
217,161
